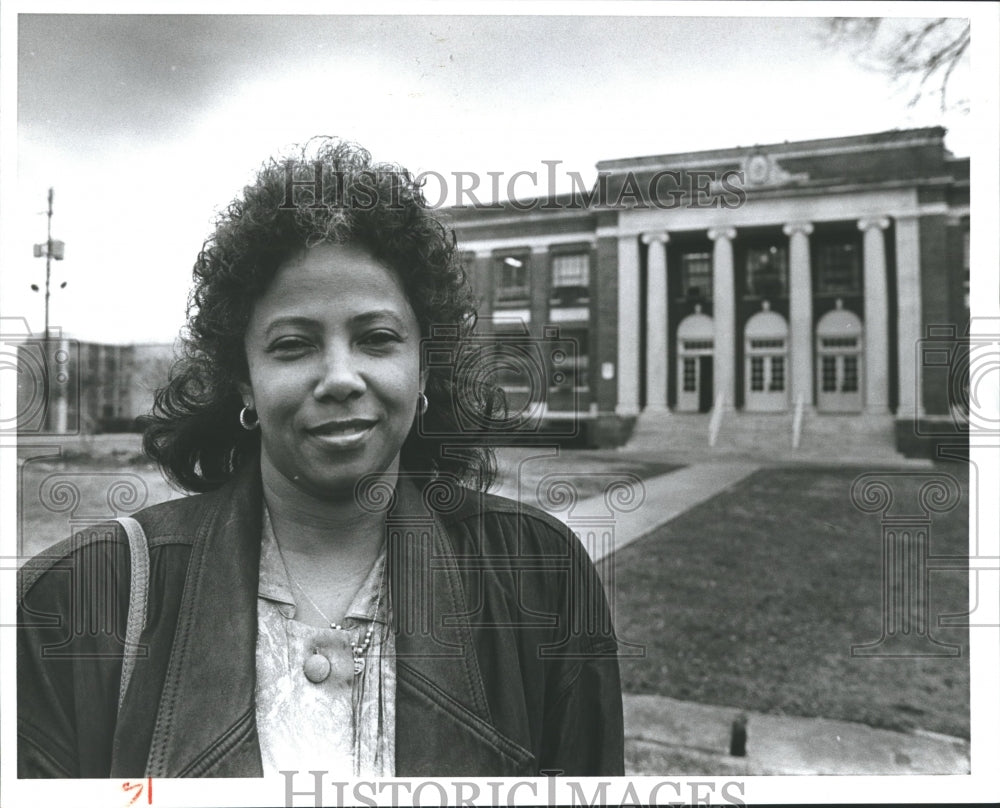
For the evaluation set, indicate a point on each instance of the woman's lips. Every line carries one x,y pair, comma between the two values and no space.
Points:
343,434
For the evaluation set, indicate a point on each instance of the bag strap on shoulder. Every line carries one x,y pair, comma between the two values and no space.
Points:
138,595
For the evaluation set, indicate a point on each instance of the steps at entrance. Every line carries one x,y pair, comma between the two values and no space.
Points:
670,431
849,435
864,438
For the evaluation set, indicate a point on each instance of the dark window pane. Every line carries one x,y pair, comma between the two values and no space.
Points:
767,271
760,344
690,385
512,279
850,384
829,374
777,374
839,269
757,373
696,275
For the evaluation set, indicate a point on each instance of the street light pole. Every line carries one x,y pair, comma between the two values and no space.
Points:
48,269
53,384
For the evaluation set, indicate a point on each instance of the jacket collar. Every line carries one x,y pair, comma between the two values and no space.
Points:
205,723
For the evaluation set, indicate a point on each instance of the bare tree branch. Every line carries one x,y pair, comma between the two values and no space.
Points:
924,52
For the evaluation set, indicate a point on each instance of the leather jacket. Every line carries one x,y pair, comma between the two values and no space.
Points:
506,657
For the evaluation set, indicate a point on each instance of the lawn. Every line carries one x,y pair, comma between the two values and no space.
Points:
754,598
58,496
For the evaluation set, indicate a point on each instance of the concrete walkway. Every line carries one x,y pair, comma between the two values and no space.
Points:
666,497
666,736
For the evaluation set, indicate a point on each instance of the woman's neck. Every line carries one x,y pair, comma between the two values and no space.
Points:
321,527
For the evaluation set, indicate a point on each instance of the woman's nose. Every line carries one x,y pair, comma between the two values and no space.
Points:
341,376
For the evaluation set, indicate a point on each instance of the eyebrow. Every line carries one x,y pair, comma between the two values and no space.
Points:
357,320
378,314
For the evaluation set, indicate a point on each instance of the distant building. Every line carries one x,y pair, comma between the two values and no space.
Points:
747,279
92,387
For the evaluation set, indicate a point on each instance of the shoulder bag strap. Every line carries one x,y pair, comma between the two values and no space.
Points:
138,592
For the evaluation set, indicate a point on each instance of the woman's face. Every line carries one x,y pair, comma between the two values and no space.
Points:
333,348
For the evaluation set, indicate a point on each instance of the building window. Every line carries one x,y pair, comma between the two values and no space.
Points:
838,269
757,373
768,344
829,374
570,279
840,342
850,384
696,275
777,374
690,379
767,271
571,270
512,280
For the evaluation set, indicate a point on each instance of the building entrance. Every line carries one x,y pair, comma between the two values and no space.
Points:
695,341
765,376
839,368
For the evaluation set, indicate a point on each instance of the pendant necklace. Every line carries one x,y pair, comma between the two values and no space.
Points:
358,649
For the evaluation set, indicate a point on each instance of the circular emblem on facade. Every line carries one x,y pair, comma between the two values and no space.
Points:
757,169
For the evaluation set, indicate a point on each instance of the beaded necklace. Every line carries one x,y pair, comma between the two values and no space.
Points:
358,649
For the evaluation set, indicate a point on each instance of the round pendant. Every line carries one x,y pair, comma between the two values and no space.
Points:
317,668
359,665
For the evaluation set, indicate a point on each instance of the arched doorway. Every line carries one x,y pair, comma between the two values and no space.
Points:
765,380
839,366
695,340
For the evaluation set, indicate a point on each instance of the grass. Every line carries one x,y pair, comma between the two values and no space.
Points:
59,496
754,599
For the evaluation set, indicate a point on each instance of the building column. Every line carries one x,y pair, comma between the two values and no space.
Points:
800,312
656,321
628,331
483,280
724,314
539,284
876,316
908,316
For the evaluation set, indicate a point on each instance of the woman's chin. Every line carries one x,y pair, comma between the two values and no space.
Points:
361,485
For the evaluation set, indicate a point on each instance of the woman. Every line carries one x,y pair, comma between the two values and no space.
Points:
340,594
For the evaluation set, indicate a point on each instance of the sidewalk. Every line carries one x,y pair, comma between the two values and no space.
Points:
667,736
667,497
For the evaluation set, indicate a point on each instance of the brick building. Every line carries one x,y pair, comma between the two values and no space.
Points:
92,387
778,283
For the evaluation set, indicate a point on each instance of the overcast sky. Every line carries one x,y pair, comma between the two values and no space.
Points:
146,125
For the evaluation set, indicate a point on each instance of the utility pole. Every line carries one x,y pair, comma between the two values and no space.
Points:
48,270
55,402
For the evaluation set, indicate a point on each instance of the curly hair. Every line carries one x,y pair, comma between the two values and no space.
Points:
330,191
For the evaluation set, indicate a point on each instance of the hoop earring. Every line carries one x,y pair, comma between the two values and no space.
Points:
248,425
422,402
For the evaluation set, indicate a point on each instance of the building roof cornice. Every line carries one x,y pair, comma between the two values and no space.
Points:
892,139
